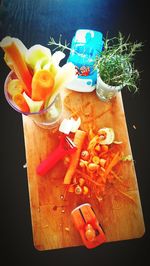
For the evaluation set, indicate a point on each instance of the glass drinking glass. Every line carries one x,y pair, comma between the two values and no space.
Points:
48,118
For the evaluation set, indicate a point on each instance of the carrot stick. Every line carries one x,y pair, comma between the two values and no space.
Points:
18,63
113,162
78,141
42,85
21,102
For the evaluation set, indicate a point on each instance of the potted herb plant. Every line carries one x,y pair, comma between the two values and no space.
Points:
115,67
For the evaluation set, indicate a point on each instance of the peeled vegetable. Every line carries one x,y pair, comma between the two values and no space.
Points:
64,75
34,106
37,56
78,141
56,58
15,55
15,87
21,103
42,85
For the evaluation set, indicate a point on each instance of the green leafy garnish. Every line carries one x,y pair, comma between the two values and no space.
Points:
115,63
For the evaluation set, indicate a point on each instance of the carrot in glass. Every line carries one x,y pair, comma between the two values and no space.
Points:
17,62
78,141
21,102
15,87
42,85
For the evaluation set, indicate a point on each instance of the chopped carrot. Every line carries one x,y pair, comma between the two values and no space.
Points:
78,141
104,148
86,176
17,61
21,103
42,85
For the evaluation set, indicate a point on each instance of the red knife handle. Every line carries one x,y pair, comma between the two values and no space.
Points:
51,160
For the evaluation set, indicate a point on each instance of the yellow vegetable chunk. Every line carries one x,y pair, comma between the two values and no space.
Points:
15,87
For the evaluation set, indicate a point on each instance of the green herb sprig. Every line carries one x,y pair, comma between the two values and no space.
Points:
115,63
59,45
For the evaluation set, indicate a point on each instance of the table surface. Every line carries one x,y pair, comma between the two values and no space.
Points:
34,22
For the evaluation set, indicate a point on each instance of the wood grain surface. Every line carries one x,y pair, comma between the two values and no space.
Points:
121,217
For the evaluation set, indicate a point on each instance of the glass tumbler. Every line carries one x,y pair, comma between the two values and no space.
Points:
48,118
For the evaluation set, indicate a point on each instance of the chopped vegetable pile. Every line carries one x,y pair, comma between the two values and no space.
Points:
96,165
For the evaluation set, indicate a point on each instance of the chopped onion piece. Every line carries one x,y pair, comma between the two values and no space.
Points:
69,125
109,136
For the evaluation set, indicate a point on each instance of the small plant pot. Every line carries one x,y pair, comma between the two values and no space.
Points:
106,92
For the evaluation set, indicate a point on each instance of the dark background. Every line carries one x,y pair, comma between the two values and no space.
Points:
34,21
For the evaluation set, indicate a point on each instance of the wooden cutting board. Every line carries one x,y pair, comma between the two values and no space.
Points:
120,216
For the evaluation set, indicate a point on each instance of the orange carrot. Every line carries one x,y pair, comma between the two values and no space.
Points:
42,85
17,61
113,162
78,140
21,102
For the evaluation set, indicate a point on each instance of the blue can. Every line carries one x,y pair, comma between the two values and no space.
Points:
85,46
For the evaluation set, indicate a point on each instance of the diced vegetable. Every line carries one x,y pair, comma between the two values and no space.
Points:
69,125
85,155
